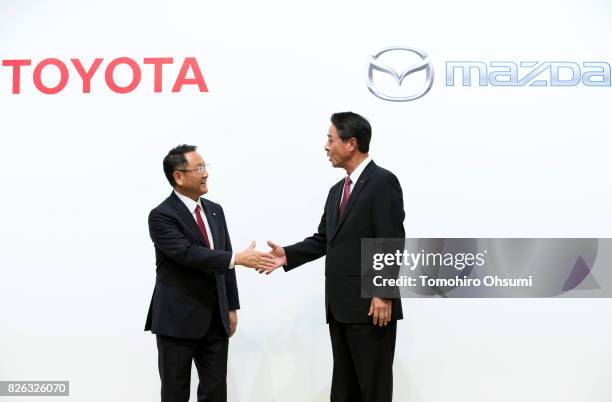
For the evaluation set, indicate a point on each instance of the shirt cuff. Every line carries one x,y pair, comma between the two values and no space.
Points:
231,266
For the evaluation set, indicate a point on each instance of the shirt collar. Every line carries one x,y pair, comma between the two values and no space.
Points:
359,169
189,203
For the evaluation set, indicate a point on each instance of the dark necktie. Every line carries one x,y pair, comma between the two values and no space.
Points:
202,226
345,196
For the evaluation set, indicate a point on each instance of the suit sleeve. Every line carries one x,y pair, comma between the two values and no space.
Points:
389,209
231,285
388,218
171,241
311,248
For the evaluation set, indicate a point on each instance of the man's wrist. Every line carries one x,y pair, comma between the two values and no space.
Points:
238,259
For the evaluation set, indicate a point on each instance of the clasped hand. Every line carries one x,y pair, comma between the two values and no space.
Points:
260,261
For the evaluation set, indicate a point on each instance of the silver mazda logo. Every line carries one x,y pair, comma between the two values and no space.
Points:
378,63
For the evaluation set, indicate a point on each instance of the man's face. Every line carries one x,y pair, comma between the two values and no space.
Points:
190,180
339,152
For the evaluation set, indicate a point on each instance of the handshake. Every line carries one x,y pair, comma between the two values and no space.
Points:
260,261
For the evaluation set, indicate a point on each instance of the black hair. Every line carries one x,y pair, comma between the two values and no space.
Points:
175,160
351,125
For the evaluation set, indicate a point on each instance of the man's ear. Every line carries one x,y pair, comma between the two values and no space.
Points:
178,177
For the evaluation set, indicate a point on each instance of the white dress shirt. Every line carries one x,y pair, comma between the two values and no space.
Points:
191,206
355,176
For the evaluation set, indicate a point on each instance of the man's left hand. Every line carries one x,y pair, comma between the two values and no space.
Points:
380,310
233,322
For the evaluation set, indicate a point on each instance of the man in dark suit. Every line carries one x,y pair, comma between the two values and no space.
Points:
193,308
367,203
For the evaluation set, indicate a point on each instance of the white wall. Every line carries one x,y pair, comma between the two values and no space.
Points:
81,172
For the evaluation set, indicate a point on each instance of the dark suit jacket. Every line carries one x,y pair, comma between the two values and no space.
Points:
375,209
192,279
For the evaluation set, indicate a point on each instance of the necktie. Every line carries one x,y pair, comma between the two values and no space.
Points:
345,196
202,226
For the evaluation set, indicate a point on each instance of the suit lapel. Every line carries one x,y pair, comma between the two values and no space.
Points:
333,210
361,182
211,217
185,215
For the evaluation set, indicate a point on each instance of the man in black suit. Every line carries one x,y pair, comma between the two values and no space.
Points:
193,308
367,203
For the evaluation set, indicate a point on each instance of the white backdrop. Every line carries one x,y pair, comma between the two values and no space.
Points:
81,172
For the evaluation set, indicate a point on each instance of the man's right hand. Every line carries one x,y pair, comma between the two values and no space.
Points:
255,259
279,258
